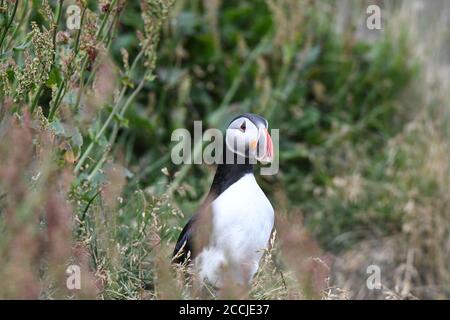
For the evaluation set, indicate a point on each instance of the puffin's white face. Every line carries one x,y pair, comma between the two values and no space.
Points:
250,140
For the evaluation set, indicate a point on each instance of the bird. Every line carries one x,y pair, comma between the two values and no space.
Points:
225,240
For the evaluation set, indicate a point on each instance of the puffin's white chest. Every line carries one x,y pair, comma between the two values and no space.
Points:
243,219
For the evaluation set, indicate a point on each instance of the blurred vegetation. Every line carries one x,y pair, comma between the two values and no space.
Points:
105,100
332,97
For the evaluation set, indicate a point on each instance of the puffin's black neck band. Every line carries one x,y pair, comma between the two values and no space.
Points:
227,174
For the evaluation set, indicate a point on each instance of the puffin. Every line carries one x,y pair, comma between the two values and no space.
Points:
225,240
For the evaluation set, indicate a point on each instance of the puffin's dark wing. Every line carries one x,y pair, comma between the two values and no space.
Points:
195,234
185,242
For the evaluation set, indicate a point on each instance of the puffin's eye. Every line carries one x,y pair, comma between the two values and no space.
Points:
243,126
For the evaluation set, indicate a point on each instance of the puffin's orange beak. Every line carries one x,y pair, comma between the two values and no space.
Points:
265,147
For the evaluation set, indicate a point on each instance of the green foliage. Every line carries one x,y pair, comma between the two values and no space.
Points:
332,95
111,93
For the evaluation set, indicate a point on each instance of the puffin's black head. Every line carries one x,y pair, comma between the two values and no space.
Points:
248,136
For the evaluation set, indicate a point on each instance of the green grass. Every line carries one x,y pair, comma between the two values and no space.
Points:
85,140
